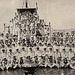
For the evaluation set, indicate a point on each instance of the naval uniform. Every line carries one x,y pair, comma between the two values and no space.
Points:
64,57
57,57
71,54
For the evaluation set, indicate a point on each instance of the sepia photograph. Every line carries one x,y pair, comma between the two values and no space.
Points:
37,37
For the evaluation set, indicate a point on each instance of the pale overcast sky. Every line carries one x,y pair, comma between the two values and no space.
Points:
61,13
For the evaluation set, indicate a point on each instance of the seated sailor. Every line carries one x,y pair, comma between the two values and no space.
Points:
64,55
16,57
71,54
57,56
51,55
10,58
22,56
31,54
37,55
4,59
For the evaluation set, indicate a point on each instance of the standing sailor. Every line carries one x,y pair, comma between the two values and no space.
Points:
16,59
37,56
29,58
0,59
57,57
10,58
51,57
43,56
71,54
46,56
4,59
22,56
31,53
64,55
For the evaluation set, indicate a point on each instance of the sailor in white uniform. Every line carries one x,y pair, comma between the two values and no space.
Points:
64,55
46,56
10,58
4,59
31,53
22,56
67,47
43,53
57,57
73,49
51,56
34,51
55,47
61,48
16,58
0,59
38,55
71,54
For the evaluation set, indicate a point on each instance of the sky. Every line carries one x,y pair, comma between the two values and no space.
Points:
61,13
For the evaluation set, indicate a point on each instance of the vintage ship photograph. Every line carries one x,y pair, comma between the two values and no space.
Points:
30,45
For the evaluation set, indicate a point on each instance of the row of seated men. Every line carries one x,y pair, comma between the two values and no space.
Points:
35,55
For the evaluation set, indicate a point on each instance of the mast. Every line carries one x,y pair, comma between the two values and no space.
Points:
36,6
26,4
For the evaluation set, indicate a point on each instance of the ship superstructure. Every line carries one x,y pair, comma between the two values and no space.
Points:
27,28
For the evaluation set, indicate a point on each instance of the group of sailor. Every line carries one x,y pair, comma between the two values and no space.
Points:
36,56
